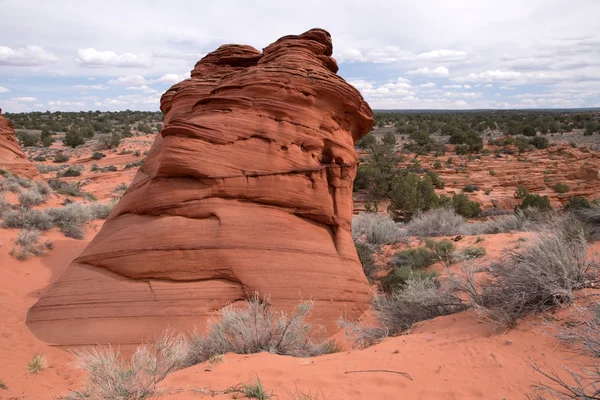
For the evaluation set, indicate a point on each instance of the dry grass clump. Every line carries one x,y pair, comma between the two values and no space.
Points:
436,222
591,218
28,245
101,210
418,300
258,328
539,277
377,229
70,219
109,377
584,382
37,364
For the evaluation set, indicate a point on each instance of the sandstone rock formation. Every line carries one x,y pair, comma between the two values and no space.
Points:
248,188
11,157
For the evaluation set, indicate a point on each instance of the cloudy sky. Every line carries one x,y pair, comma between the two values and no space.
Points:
401,54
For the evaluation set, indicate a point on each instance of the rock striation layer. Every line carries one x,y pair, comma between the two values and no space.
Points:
11,157
248,188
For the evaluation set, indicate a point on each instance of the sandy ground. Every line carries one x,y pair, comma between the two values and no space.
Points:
452,357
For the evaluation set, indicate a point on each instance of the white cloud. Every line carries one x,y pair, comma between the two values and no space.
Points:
443,55
29,56
488,85
91,87
178,55
172,79
94,58
143,89
428,85
3,89
437,72
464,94
24,99
491,76
452,86
130,80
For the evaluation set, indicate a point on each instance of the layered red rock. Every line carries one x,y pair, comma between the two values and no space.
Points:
247,189
12,158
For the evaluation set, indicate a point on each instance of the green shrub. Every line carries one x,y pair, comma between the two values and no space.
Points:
415,258
463,206
521,192
436,181
442,249
561,188
542,203
411,194
437,164
72,139
470,188
577,203
398,277
97,155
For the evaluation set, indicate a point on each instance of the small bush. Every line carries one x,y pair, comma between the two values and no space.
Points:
376,229
74,170
577,203
70,219
437,182
470,188
418,300
134,164
561,188
541,276
468,253
110,378
100,210
28,245
109,168
98,156
24,218
436,222
255,390
37,364
415,258
442,250
492,172
257,328
437,164
61,157
463,206
31,197
542,203
521,192
590,217
398,277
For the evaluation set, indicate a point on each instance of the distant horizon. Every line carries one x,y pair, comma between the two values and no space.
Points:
401,55
380,110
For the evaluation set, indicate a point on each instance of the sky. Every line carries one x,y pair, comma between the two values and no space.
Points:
66,55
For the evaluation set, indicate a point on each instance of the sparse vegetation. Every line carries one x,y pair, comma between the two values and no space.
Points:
110,378
27,245
37,364
257,328
376,229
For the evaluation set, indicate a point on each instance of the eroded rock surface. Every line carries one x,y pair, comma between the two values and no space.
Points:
12,158
247,189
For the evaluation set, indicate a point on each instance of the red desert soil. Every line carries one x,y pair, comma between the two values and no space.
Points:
452,357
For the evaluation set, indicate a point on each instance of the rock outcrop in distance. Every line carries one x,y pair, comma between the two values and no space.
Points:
12,158
247,189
